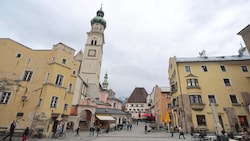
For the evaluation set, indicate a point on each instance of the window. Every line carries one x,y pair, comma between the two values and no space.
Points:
59,80
187,69
64,61
39,102
169,105
233,99
204,68
54,101
195,99
27,75
243,121
174,87
18,55
244,68
211,99
66,106
227,82
93,42
201,120
223,68
192,82
46,78
4,97
70,88
114,106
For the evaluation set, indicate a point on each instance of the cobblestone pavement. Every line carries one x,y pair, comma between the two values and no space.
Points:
137,134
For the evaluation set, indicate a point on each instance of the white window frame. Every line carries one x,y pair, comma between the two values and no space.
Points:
244,68
204,68
237,101
5,97
66,106
187,68
27,75
212,100
223,68
70,87
59,79
228,84
54,101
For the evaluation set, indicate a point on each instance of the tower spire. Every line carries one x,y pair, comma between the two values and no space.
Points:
105,82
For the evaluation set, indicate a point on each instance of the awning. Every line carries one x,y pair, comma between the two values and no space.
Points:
105,117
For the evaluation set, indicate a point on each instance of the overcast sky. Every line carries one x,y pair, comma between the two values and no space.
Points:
140,35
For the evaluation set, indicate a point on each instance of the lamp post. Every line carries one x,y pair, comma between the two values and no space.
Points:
24,99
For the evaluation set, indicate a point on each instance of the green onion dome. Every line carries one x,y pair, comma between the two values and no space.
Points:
99,18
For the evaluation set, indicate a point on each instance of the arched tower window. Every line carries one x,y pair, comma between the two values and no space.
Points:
93,42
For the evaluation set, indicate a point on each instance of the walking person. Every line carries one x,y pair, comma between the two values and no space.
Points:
172,131
146,128
91,131
25,134
97,130
12,129
77,131
181,133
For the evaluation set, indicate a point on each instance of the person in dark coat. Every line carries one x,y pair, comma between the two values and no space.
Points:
146,128
12,129
77,131
25,134
97,130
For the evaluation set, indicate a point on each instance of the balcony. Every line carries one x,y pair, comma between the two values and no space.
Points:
197,106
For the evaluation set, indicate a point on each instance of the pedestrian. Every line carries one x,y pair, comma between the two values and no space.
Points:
245,136
12,129
223,137
59,129
25,134
77,131
181,133
130,126
97,130
172,131
91,131
146,128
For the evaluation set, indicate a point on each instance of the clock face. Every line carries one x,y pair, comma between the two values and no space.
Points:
92,53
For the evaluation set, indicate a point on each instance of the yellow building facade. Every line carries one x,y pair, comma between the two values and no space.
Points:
196,82
36,86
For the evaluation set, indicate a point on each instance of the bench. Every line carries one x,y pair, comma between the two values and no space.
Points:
3,130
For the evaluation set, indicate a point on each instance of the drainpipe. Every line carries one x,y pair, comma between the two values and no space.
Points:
182,102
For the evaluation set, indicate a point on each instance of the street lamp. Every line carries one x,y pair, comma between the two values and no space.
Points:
24,99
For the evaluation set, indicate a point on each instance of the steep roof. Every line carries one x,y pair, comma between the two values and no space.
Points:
139,95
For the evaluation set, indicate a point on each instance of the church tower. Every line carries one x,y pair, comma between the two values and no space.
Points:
92,57
105,82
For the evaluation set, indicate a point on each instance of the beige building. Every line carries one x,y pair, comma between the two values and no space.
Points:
137,104
196,82
36,86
